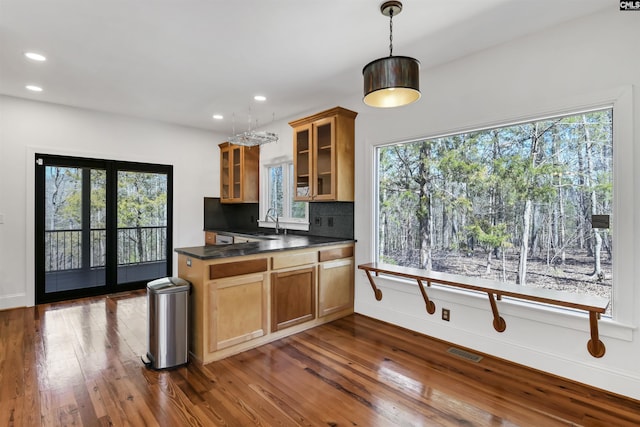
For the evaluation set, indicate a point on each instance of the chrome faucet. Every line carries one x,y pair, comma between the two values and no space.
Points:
270,216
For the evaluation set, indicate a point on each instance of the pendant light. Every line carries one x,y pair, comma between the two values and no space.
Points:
392,81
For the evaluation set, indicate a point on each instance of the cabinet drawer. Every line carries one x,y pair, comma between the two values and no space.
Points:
293,260
209,238
335,253
228,269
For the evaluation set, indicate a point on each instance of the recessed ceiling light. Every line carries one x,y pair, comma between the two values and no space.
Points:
34,88
35,56
218,116
260,98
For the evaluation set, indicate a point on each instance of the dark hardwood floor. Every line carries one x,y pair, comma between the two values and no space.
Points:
78,363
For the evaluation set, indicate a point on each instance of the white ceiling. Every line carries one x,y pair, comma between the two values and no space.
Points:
181,61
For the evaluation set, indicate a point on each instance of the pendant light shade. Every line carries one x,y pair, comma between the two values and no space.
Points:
392,81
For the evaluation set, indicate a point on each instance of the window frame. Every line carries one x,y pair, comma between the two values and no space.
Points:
620,100
286,221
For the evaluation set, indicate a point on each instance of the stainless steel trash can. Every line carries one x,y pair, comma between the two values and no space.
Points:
168,314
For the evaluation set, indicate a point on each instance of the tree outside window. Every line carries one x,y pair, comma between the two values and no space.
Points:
513,203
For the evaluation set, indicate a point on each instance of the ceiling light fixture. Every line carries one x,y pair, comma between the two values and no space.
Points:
252,137
33,88
260,98
35,56
391,81
218,116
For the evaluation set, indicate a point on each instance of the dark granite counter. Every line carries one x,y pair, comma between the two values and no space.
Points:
271,243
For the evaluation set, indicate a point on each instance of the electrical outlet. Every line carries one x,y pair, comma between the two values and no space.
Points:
446,315
318,220
330,221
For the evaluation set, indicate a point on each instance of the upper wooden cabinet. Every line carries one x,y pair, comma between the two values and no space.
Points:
239,173
323,156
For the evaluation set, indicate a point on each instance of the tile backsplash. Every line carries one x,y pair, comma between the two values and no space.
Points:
224,216
327,219
331,219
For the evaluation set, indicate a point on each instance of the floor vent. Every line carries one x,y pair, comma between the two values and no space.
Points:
464,354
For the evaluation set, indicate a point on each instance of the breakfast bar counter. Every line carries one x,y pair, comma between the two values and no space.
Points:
247,294
270,243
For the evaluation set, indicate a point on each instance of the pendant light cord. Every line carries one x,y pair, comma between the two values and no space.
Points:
391,32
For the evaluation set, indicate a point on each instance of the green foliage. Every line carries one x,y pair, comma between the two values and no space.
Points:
490,236
472,187
142,199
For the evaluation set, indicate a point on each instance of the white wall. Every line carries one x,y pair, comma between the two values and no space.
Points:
587,62
28,127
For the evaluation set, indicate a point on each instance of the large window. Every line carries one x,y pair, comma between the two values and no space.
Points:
279,198
529,203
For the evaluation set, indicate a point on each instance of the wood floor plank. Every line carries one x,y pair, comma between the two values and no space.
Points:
246,406
78,363
394,371
533,390
285,389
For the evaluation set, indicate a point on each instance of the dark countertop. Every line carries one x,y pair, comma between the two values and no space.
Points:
269,244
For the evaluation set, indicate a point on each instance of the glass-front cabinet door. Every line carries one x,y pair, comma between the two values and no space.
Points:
324,156
303,163
225,174
230,173
324,152
236,173
239,173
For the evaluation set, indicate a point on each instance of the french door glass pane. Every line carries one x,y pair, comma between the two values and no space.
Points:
74,241
142,226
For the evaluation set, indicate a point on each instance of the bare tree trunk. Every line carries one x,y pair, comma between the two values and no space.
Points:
425,209
446,227
597,239
383,236
504,265
524,244
488,269
562,226
527,214
581,202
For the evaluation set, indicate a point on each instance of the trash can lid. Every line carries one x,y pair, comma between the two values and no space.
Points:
168,285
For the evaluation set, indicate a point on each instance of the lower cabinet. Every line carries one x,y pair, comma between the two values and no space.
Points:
238,311
335,286
293,297
238,303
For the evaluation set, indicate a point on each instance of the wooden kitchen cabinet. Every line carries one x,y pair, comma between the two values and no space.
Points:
335,280
292,297
237,310
239,173
323,153
241,302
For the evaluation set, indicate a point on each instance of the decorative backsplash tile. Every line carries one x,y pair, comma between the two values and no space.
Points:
327,219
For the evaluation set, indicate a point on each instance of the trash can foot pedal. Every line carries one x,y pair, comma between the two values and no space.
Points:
145,360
